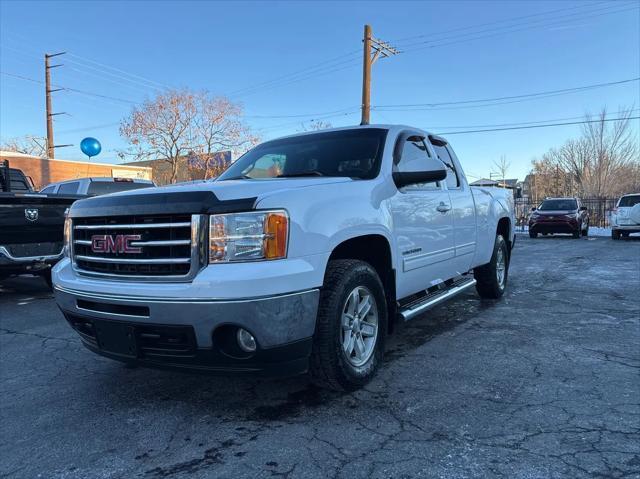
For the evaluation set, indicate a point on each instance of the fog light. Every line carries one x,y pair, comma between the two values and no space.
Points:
246,341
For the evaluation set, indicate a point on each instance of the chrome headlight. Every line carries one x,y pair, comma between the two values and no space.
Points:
67,235
251,236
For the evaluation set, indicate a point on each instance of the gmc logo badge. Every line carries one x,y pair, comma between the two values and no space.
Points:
114,244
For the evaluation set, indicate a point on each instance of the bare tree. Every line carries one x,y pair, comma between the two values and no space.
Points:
603,162
218,126
160,128
186,128
501,167
28,145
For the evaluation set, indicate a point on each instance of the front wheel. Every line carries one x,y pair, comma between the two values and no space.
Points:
585,231
348,345
615,234
491,278
532,234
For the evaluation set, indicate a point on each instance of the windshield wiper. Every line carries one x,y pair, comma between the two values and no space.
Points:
301,173
239,177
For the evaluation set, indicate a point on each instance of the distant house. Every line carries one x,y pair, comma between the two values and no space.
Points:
511,184
190,167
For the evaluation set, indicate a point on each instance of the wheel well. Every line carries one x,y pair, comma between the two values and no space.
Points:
504,228
375,250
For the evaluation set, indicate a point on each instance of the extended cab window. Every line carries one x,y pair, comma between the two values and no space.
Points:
353,153
452,176
69,188
414,154
48,190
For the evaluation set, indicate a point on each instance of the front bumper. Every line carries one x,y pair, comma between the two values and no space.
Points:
192,333
558,226
17,264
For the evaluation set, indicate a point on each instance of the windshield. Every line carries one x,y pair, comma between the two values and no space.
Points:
627,201
352,153
558,205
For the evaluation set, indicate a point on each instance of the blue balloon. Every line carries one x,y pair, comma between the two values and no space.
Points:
90,147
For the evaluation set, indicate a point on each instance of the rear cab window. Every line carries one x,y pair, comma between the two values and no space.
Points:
69,188
105,187
629,201
442,150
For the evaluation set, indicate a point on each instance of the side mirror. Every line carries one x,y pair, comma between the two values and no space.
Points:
533,208
405,178
583,208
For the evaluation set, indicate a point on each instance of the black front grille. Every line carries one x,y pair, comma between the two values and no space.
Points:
152,341
164,244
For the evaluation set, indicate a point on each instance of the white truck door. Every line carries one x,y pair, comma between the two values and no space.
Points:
463,208
423,224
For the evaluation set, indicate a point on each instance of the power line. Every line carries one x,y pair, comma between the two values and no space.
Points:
518,123
459,38
506,20
400,107
295,73
73,90
541,126
119,70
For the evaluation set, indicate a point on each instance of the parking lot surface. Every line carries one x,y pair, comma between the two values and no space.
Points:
542,383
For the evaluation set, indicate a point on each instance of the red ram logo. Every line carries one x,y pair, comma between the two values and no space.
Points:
114,244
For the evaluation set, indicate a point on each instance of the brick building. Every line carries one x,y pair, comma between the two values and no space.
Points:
44,171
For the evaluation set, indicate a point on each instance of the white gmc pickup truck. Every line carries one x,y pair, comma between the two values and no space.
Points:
300,257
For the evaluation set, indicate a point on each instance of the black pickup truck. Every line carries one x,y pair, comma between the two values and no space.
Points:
31,225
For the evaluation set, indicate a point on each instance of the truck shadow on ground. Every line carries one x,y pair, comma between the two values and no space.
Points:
267,400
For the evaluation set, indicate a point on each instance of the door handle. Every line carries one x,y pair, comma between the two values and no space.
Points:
443,208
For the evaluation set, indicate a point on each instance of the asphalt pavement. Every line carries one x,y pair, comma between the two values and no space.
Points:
543,383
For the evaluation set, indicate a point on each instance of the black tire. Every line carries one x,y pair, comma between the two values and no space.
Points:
576,233
585,232
545,234
533,234
615,234
487,283
625,234
329,365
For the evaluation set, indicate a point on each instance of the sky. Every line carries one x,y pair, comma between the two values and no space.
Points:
292,62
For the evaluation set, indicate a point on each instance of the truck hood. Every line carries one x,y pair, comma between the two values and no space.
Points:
237,189
206,197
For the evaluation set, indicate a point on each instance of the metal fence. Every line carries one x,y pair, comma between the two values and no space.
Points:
599,210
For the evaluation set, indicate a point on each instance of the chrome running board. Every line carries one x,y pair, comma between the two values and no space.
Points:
434,298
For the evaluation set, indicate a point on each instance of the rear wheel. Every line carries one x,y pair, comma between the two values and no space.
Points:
533,234
615,234
585,231
351,326
491,278
576,233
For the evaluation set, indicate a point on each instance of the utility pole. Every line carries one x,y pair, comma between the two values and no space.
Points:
373,49
48,91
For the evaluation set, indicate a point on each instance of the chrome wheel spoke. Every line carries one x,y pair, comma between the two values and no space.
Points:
360,348
368,330
346,322
348,343
364,307
359,326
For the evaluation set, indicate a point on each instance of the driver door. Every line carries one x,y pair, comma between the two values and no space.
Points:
422,221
